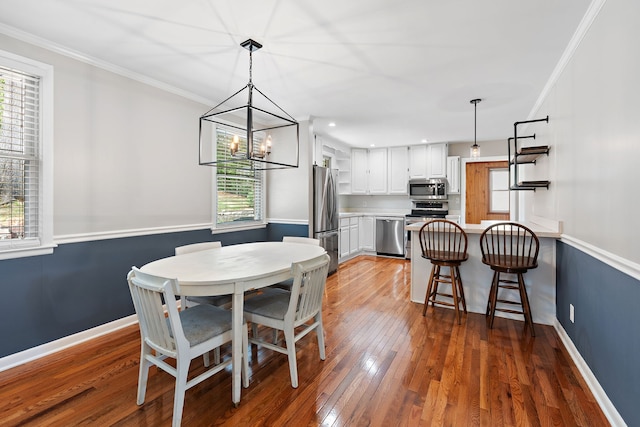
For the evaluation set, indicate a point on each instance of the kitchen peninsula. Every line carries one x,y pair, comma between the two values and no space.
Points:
476,276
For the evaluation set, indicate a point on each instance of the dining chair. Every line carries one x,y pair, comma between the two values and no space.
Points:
282,310
183,335
218,300
509,248
286,285
444,243
297,239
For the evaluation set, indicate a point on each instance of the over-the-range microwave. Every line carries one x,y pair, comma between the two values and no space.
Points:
427,189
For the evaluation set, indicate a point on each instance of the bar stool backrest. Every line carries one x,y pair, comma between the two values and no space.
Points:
441,240
509,245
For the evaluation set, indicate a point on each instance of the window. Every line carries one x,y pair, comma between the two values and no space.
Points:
25,141
239,189
499,190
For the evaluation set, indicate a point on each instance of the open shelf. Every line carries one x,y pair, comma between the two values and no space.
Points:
524,155
530,185
530,154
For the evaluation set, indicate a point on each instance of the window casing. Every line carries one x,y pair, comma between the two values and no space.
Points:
239,190
499,190
26,189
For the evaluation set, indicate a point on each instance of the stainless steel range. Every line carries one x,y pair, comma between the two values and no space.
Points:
423,211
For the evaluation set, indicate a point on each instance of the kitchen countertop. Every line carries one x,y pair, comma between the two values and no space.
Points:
540,226
380,214
477,277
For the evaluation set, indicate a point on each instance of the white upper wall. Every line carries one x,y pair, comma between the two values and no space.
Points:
594,134
289,189
125,153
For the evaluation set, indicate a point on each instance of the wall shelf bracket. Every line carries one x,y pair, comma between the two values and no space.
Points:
524,155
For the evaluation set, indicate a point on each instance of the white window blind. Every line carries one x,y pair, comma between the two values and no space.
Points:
239,197
19,161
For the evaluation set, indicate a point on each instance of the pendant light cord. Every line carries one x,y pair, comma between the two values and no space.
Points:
475,120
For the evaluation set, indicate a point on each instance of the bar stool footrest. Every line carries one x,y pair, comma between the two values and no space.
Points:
506,310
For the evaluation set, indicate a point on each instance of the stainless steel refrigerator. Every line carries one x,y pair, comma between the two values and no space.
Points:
326,218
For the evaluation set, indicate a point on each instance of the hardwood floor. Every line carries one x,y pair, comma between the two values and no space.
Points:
386,365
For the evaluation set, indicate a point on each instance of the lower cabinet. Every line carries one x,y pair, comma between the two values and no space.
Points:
367,233
354,245
357,234
344,237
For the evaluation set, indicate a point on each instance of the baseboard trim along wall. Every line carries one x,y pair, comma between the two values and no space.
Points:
34,353
52,347
600,395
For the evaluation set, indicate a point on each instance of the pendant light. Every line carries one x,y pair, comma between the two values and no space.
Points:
249,133
475,148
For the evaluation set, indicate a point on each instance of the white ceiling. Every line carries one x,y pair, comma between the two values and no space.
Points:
387,72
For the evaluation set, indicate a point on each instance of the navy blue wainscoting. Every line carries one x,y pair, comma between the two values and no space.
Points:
82,285
606,331
275,232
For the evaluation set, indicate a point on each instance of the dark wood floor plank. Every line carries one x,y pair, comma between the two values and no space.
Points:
386,365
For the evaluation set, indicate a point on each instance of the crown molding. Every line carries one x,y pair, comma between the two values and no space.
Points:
107,66
572,47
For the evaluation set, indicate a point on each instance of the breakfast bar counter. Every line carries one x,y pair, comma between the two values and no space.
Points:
476,276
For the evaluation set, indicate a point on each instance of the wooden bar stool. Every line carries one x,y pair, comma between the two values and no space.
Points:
444,243
509,248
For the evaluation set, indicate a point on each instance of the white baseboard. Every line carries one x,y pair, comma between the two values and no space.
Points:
600,395
43,350
34,353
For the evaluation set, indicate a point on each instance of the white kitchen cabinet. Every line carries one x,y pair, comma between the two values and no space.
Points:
367,233
377,163
398,171
344,237
354,245
359,171
418,161
369,171
453,174
437,160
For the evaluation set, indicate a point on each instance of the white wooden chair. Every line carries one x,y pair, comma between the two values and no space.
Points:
183,335
218,300
286,311
306,240
286,285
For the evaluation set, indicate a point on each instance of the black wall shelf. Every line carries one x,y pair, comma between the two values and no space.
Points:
523,156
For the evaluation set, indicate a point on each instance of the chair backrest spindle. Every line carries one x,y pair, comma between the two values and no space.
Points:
509,243
308,288
443,239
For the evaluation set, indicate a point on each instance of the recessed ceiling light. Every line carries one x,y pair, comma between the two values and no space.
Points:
372,145
424,141
332,124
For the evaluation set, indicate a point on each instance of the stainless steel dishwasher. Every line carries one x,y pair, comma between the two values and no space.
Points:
390,236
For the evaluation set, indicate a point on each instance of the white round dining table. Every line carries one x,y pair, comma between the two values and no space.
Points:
233,270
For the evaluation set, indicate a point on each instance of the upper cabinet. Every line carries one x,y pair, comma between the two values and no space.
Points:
453,174
369,171
398,171
378,171
437,160
387,170
359,171
418,161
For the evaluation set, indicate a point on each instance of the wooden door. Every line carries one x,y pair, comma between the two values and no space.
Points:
478,193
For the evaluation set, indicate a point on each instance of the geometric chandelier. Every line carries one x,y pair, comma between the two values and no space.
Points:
247,132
